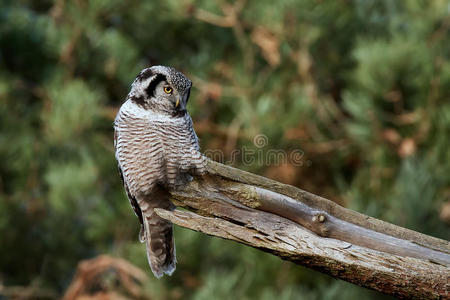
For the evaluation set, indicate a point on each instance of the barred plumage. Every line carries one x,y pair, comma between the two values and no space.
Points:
156,146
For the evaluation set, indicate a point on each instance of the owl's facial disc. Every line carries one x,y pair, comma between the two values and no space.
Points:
162,90
166,98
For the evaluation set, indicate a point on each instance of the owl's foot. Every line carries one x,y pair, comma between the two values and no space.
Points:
197,171
182,179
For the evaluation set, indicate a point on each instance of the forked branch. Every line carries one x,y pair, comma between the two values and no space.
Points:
314,232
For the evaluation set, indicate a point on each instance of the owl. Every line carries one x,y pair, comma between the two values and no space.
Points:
156,148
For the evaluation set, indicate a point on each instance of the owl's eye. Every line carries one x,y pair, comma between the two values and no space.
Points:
168,90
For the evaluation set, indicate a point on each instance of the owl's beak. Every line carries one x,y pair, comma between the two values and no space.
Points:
180,108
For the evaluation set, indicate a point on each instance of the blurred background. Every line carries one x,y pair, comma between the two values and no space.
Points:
362,88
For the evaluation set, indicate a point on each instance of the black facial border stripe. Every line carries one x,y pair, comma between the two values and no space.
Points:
188,95
140,100
150,90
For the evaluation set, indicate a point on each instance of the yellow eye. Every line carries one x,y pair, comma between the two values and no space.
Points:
168,90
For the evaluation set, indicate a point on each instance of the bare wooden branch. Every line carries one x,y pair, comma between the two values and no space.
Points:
314,232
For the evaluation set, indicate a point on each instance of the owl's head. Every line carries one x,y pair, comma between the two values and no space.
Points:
161,89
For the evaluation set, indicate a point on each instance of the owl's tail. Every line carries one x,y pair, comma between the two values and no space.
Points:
157,234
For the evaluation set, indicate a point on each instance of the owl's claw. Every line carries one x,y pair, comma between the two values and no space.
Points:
188,177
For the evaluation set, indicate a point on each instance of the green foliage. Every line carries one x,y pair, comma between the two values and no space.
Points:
361,87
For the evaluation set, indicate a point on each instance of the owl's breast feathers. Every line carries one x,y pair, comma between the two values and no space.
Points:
154,149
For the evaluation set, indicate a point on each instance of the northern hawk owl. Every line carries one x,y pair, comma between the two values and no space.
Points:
156,146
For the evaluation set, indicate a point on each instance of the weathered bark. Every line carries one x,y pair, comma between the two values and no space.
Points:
315,232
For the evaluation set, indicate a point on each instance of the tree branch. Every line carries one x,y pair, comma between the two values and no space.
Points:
315,232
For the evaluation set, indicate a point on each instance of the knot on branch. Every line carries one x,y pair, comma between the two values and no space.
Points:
319,218
319,224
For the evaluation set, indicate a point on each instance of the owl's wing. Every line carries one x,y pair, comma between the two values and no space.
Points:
194,136
135,205
132,199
